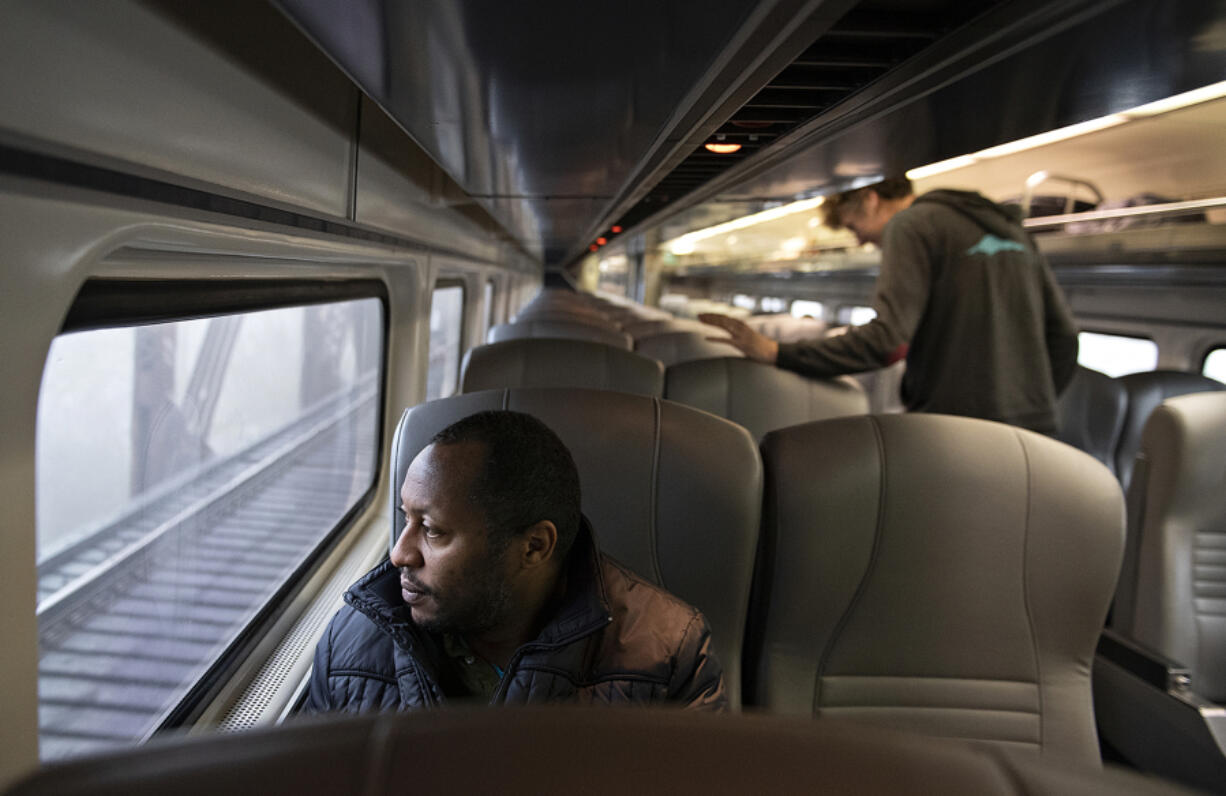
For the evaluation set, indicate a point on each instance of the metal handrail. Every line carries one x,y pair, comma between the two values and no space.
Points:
1168,209
1040,177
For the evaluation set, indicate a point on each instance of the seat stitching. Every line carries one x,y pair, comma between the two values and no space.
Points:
868,571
1034,645
655,477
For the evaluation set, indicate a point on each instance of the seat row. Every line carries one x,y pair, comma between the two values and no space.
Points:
1169,601
757,396
652,333
1106,416
940,574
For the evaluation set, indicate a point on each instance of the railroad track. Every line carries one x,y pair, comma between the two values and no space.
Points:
133,614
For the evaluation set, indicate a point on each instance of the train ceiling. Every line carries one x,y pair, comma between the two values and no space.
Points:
567,119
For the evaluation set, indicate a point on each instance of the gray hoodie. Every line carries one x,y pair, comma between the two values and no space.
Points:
986,329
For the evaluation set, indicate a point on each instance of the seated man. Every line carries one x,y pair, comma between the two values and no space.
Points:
495,591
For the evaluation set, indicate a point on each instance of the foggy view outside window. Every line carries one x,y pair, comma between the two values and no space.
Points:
1116,355
1215,365
184,471
446,335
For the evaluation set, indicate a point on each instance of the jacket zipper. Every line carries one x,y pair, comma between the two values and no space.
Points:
512,665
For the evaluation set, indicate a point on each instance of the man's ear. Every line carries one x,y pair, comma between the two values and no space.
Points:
872,201
538,544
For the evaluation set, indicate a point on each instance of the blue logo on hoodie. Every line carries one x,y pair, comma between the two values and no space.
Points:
990,244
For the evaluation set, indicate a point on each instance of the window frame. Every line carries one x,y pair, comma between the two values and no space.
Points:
105,303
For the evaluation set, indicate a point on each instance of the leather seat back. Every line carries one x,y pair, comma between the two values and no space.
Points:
566,330
1090,413
648,328
673,347
567,315
1145,392
939,574
548,362
673,493
761,397
1172,594
593,752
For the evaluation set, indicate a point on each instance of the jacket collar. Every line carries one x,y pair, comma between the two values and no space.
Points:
583,608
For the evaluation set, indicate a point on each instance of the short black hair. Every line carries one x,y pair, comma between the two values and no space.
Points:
835,206
528,475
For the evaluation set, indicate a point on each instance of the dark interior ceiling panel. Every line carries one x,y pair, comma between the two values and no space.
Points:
564,119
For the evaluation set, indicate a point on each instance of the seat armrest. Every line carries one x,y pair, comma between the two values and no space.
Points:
1146,663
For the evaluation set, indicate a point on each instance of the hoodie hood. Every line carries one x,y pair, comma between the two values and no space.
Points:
1000,220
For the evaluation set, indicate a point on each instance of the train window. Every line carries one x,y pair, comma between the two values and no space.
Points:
812,309
855,316
773,304
186,474
490,315
446,340
745,302
1215,365
1116,354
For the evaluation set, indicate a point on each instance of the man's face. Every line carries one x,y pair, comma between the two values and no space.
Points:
867,218
451,579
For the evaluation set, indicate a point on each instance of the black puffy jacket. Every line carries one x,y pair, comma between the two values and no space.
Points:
614,639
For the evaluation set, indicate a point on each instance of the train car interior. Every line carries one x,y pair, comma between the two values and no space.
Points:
256,254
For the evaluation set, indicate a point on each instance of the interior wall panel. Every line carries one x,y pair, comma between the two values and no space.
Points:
128,82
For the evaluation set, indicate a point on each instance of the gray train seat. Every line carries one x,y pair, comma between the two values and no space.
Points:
557,750
549,362
567,315
1091,412
1172,591
1160,677
1145,392
673,347
565,330
937,574
761,397
673,493
648,328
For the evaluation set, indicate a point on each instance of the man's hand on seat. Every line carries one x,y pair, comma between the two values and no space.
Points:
755,346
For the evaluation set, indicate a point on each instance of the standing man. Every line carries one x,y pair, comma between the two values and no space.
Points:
496,592
963,294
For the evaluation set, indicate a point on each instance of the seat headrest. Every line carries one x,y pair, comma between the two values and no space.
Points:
761,397
550,362
673,347
562,329
1145,392
665,487
1091,413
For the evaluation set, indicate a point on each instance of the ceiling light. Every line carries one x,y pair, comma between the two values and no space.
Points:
940,167
722,149
684,244
1184,100
1194,97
